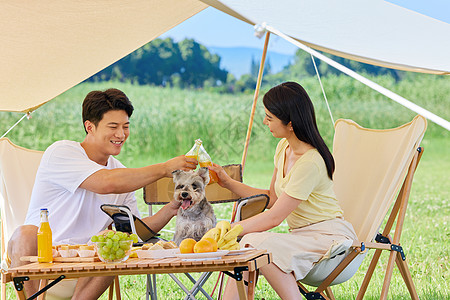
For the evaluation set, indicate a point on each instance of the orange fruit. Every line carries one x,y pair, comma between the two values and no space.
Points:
213,243
187,246
203,246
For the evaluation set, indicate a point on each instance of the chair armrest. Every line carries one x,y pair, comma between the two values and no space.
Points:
123,215
251,206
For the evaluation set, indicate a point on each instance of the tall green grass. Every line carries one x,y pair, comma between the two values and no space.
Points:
166,122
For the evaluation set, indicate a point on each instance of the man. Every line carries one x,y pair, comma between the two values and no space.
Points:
74,179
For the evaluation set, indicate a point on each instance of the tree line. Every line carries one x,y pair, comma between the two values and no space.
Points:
188,64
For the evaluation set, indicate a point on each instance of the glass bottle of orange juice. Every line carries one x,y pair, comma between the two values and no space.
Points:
193,153
204,160
44,237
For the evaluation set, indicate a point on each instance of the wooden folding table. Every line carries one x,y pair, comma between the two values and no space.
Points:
233,265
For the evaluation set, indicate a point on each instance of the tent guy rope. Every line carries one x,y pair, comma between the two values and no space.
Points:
323,91
28,115
397,98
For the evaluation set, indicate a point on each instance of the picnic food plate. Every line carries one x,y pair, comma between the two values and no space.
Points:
152,254
240,251
202,256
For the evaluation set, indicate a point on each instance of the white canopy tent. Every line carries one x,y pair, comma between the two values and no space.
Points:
374,32
49,47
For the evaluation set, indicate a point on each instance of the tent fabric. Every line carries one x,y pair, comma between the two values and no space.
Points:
48,46
374,32
18,168
371,184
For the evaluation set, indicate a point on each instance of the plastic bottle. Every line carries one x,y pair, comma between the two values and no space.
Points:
44,237
193,153
204,160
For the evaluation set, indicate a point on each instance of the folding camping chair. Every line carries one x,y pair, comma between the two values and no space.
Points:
18,167
161,192
372,166
122,215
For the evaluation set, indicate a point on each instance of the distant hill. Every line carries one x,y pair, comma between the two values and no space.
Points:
237,60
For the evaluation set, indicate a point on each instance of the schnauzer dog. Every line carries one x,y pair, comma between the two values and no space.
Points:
195,215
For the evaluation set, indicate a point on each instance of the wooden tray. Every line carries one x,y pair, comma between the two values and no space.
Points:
63,259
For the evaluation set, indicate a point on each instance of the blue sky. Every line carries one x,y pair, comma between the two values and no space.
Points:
226,32
230,32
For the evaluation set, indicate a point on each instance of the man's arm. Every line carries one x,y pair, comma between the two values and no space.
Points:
157,221
125,180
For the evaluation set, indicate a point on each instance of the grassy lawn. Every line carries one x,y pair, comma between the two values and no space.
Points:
166,122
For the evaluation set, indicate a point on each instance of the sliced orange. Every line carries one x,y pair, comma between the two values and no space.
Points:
203,246
187,245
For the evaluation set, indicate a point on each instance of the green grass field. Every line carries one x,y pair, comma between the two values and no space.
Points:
166,122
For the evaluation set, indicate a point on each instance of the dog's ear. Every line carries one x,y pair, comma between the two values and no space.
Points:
176,174
204,174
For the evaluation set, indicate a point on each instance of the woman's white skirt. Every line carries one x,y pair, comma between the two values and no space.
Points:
298,250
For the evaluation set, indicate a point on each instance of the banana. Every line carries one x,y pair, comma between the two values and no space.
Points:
213,233
233,233
223,245
234,246
224,226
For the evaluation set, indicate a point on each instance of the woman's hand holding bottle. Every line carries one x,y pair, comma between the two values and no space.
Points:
224,178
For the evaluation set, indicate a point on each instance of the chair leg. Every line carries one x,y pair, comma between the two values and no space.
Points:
315,295
368,276
388,276
3,292
117,285
404,271
111,291
329,293
302,288
151,287
198,285
335,273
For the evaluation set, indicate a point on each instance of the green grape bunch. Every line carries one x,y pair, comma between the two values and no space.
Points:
114,246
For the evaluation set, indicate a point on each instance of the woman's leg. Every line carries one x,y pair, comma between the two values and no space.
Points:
284,284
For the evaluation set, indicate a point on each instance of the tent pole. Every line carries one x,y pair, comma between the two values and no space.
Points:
255,99
252,114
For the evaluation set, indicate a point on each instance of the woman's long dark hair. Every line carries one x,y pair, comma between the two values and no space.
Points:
289,102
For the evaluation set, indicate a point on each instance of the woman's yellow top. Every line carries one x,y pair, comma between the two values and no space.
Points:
307,180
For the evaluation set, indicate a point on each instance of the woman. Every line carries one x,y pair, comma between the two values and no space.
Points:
301,192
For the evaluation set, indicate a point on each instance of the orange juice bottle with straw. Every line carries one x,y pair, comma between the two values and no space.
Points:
204,160
44,239
193,153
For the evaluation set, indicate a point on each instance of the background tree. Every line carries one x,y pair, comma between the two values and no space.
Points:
165,62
